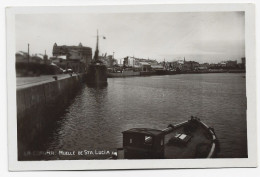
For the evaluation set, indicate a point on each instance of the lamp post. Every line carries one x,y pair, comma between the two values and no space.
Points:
28,53
133,61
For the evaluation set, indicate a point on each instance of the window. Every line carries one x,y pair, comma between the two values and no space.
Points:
148,140
130,140
162,142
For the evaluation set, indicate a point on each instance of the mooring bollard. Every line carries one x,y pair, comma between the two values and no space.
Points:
55,78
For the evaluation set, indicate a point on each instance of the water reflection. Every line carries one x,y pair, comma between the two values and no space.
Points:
97,85
99,113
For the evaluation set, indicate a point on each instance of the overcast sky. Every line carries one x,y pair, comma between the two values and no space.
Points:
200,36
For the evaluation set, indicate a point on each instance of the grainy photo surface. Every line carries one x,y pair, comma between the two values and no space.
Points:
113,84
131,85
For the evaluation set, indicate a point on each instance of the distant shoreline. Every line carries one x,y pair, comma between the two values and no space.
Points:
134,74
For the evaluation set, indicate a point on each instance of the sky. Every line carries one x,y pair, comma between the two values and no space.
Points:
199,36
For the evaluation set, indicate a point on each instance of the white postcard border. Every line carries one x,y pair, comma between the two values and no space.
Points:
251,161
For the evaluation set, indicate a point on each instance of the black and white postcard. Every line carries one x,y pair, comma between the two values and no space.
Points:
131,87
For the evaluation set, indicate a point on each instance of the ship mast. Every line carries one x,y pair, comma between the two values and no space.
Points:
97,51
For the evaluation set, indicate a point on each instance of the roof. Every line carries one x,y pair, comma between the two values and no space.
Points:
144,63
20,53
53,64
39,56
36,57
147,131
157,66
137,66
62,57
72,46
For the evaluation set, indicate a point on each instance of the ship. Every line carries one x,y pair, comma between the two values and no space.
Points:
124,73
190,139
97,70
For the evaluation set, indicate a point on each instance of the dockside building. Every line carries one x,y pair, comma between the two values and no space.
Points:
76,58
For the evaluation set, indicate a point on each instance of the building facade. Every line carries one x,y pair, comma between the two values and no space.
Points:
23,57
231,64
77,57
190,65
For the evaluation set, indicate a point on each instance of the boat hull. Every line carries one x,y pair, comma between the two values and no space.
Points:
97,74
187,140
200,142
124,74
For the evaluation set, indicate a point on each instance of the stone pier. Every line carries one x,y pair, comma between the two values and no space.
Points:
39,105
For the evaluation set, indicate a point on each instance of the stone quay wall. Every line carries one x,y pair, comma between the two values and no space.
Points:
39,106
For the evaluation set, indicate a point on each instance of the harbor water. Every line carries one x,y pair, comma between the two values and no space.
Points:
96,117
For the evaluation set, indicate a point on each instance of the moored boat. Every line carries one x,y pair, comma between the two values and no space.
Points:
97,70
125,73
97,73
187,140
